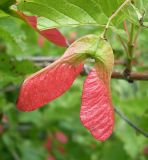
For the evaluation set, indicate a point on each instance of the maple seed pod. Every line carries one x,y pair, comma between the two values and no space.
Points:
51,82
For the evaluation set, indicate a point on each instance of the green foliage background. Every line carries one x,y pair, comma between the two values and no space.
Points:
23,135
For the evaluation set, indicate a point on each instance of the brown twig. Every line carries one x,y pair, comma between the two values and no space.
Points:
126,28
123,44
115,75
132,76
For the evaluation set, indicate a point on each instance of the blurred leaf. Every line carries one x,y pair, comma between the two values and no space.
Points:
31,151
12,34
144,120
114,150
32,117
13,71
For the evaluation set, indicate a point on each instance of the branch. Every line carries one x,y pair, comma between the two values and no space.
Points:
115,75
131,124
123,44
10,88
44,61
132,76
126,28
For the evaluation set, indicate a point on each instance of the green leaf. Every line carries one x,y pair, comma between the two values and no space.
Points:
114,150
19,38
27,117
31,151
72,12
109,7
11,33
127,12
65,13
5,35
132,141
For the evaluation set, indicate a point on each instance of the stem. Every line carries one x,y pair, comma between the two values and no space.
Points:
112,16
123,44
130,43
126,28
133,75
136,36
128,68
131,124
15,155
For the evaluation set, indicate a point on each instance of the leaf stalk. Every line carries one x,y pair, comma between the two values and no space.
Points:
112,17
